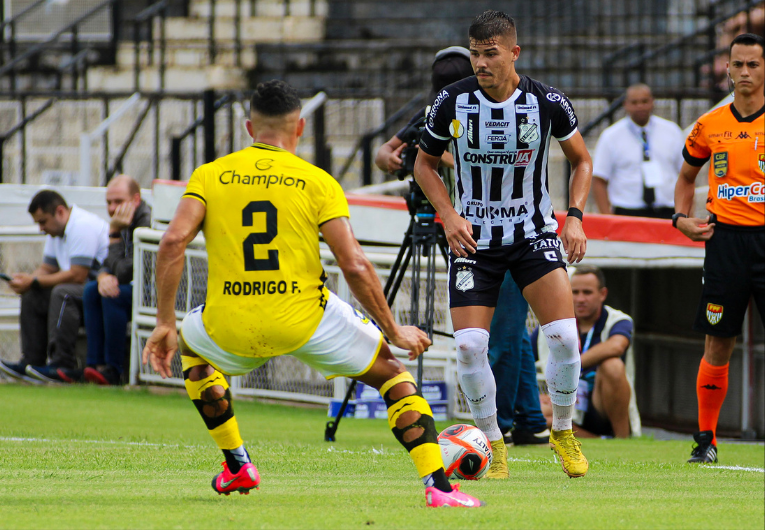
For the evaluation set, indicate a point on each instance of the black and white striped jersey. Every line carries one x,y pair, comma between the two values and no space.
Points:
500,155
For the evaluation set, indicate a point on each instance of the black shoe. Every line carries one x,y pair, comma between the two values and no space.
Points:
106,375
704,452
46,374
524,437
17,371
70,375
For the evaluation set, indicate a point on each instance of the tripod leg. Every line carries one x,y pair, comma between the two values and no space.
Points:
331,428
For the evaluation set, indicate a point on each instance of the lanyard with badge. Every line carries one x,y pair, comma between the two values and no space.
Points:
650,171
583,389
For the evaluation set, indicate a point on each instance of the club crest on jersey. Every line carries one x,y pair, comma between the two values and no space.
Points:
720,164
456,129
762,163
714,313
465,280
529,132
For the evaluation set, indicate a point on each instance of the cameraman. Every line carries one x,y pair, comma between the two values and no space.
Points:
450,65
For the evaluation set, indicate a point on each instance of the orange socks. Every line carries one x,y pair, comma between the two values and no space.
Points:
711,388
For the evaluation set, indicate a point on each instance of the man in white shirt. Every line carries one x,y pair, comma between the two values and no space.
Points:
76,244
637,161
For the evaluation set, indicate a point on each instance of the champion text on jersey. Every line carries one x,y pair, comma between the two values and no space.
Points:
232,177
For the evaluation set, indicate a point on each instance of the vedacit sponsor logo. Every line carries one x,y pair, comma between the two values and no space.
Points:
753,193
520,158
496,124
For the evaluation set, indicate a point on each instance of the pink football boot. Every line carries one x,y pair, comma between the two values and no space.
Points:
437,498
226,482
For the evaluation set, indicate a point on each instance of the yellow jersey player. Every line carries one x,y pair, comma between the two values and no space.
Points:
261,210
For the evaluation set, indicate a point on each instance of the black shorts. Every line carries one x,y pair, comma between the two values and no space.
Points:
734,271
475,280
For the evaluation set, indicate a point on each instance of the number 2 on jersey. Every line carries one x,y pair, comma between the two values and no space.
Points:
251,263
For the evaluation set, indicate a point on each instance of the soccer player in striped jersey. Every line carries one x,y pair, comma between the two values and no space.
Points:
500,124
261,210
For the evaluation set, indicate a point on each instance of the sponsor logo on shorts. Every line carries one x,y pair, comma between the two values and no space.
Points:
714,313
542,244
461,107
456,129
465,280
465,260
529,132
364,320
720,164
753,193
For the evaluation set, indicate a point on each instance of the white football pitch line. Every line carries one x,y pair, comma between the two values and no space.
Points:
330,449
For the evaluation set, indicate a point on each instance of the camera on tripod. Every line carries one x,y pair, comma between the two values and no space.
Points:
411,137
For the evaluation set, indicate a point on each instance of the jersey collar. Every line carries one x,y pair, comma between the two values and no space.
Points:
258,145
748,119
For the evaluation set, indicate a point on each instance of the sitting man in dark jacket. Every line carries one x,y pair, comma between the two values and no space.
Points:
107,302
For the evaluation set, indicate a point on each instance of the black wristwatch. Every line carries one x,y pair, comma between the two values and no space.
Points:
677,216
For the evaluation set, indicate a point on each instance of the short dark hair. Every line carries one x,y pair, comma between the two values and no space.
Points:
47,201
490,24
274,98
581,270
748,39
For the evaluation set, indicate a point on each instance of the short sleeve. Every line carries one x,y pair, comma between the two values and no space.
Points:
335,204
85,243
563,119
696,150
622,327
436,136
49,253
602,165
195,189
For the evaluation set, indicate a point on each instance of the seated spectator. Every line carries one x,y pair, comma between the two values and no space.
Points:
108,300
637,161
606,404
51,297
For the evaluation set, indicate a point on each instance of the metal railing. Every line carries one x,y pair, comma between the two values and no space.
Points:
146,17
74,43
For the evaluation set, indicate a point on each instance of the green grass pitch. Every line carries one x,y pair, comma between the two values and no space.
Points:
89,457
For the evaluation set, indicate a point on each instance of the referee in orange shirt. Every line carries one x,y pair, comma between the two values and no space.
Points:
733,137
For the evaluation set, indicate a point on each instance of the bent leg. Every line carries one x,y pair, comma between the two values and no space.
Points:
116,314
33,327
64,318
409,417
611,395
94,324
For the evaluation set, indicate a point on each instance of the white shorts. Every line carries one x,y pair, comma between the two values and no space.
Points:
345,344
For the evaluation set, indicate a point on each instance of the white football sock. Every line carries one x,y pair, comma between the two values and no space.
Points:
477,380
563,369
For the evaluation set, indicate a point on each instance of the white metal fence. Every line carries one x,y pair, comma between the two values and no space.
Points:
282,377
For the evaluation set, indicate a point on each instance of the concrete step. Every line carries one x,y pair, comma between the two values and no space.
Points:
177,79
261,8
251,30
180,54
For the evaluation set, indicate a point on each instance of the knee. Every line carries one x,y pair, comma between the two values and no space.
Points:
90,291
472,346
612,370
563,340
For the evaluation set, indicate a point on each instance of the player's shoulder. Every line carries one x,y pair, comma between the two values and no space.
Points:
547,94
448,95
721,114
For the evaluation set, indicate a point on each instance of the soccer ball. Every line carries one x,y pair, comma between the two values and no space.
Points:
466,451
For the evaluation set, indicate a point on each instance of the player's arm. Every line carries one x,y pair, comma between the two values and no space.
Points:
22,282
162,344
615,346
459,231
694,228
572,235
365,286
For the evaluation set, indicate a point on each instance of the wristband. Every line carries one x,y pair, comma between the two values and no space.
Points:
575,212
676,217
115,235
35,283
